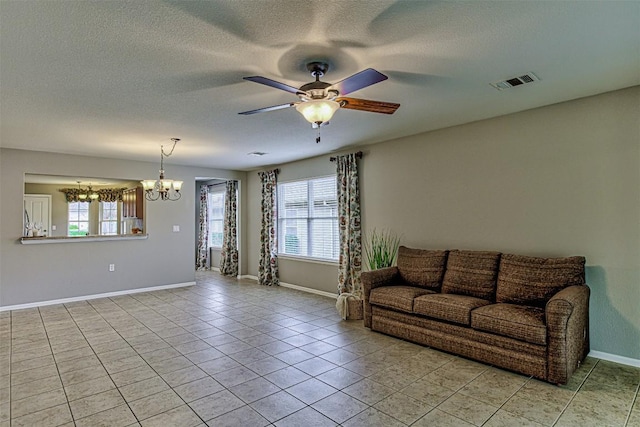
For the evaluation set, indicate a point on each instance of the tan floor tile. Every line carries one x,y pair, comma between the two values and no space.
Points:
538,402
437,418
182,416
93,404
255,389
589,413
155,404
505,419
198,389
88,388
54,416
116,366
403,407
371,417
241,316
78,363
277,406
427,392
73,354
37,402
369,392
306,416
131,376
24,390
170,365
81,375
456,373
468,409
494,386
235,376
143,388
35,353
339,407
183,376
33,375
287,377
339,378
216,404
119,416
244,415
5,412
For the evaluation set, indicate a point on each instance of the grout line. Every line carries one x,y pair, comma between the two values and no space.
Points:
635,399
575,393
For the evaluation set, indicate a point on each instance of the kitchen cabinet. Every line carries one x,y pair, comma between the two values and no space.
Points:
133,203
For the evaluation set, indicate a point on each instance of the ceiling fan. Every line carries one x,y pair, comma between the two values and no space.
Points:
320,100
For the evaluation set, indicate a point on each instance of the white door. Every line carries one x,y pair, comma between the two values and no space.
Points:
37,213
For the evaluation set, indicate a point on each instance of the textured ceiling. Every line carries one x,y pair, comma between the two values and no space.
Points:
119,78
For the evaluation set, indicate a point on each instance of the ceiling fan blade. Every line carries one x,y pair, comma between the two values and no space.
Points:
368,105
358,81
272,108
272,83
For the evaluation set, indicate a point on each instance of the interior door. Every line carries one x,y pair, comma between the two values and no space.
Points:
37,213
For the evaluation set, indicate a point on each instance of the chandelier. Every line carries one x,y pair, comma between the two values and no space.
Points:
86,195
163,188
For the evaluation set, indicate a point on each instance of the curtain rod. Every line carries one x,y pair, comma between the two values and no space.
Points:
358,156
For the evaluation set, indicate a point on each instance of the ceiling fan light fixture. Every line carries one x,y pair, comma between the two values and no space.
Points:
318,111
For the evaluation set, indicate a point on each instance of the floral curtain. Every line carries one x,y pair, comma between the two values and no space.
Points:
268,265
229,253
104,194
203,234
350,260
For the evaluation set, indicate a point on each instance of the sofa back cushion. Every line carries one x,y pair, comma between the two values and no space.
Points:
472,273
423,268
533,281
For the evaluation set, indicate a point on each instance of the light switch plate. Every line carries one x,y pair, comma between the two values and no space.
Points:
176,228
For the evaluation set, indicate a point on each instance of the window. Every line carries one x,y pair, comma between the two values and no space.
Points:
108,219
215,205
78,219
308,218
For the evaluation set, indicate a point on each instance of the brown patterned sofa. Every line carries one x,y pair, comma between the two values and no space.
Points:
526,314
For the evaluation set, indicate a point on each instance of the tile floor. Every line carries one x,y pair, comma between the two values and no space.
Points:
233,353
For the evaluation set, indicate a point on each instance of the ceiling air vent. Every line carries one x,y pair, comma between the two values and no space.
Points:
256,153
515,81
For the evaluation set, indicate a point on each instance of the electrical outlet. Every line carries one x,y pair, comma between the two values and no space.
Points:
176,228
53,228
112,267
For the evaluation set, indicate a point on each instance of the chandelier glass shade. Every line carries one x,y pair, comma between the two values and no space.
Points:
162,188
86,195
318,111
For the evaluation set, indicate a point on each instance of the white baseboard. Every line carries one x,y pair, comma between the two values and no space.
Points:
94,296
615,358
296,287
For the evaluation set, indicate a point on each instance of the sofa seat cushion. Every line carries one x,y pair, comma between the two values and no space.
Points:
472,273
423,268
396,297
533,281
521,322
449,307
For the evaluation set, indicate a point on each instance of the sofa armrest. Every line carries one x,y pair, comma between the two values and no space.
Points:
567,318
374,279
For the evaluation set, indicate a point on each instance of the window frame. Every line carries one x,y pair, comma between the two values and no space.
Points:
309,219
222,193
101,220
77,221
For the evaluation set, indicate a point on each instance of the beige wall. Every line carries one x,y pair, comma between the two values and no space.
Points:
554,181
33,273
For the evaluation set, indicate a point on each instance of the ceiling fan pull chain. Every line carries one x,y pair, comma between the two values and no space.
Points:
318,137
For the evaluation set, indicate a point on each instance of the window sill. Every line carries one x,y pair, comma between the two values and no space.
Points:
80,239
311,260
